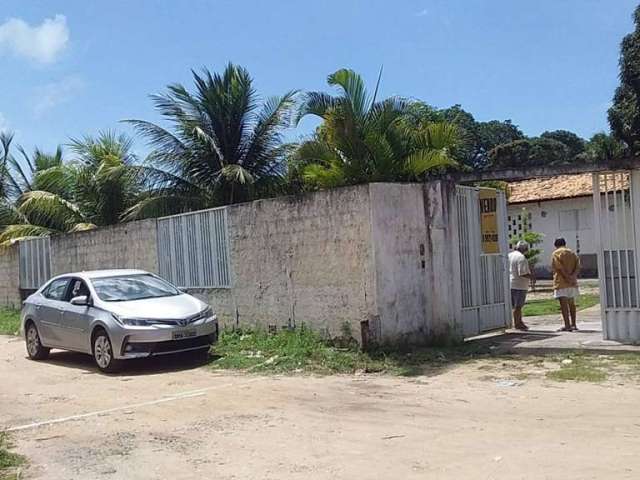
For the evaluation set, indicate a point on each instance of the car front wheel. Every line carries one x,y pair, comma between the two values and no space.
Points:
34,346
103,353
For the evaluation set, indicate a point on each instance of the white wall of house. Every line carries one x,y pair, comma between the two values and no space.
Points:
572,219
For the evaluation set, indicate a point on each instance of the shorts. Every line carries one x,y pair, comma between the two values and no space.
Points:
571,292
518,298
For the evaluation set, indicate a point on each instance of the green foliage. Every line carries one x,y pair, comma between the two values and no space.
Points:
8,460
582,368
304,351
363,139
624,114
9,321
573,142
604,148
476,138
95,188
529,153
224,146
551,306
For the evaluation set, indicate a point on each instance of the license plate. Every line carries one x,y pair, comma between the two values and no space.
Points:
184,334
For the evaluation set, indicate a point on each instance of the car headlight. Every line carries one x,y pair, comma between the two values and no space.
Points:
132,322
207,313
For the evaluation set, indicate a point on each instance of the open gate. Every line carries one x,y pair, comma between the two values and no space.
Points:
616,214
483,277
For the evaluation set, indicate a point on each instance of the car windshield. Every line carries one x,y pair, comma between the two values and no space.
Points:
132,287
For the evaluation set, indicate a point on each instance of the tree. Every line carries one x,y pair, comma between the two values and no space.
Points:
476,138
223,146
93,189
529,153
603,147
573,142
624,114
362,139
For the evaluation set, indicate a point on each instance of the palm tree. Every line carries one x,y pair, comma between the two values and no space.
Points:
363,140
93,189
224,145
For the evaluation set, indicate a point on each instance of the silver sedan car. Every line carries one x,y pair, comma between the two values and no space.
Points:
115,315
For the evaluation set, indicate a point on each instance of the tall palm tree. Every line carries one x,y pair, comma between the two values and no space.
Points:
223,145
93,189
362,139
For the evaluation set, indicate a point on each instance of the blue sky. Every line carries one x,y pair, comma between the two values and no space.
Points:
74,67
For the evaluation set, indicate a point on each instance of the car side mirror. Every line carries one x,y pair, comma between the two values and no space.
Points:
82,300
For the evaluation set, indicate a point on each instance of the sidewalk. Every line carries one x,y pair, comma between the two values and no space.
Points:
543,337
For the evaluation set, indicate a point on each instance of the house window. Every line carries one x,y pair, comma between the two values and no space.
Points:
193,249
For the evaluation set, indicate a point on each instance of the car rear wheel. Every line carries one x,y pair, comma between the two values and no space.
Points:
35,350
103,353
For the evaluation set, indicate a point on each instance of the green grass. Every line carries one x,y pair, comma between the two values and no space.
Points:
551,306
304,351
9,321
583,368
8,461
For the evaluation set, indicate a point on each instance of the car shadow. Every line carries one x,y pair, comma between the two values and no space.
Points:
139,366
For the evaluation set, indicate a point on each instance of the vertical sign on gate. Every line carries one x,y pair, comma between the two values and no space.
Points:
489,221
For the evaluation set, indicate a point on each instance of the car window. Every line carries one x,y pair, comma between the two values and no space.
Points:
125,288
78,288
56,289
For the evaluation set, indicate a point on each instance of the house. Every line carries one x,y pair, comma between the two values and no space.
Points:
560,206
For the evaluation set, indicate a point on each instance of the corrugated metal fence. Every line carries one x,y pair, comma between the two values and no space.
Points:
193,249
35,262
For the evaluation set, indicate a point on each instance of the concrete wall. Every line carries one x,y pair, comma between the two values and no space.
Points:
399,238
412,236
9,277
372,261
300,260
128,245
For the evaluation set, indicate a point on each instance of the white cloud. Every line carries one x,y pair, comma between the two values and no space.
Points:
422,13
42,43
51,95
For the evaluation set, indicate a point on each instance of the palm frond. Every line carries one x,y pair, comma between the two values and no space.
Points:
15,233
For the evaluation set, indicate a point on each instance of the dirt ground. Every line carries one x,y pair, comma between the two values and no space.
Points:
171,419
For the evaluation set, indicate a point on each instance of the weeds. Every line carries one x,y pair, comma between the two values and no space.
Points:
8,461
580,368
9,321
304,351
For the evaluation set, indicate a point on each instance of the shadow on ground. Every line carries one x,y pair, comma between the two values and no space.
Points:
141,366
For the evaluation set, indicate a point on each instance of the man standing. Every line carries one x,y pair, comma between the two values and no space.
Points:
566,267
520,276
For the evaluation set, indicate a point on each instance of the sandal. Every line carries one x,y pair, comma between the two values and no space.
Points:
564,329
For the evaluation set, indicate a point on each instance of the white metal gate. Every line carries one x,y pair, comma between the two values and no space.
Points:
616,214
484,281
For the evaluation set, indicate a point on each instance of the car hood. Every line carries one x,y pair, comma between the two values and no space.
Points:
178,306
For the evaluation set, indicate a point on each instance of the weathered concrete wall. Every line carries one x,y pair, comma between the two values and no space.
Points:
399,237
301,260
128,245
9,277
415,252
442,273
377,256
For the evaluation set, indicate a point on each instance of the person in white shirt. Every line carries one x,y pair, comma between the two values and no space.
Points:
520,277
